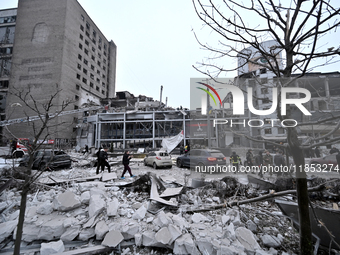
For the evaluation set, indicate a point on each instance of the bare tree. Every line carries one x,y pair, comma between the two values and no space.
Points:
41,128
298,28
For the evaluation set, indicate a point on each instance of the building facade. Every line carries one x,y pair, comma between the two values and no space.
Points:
57,50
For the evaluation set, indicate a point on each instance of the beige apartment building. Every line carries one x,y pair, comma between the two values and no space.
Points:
53,47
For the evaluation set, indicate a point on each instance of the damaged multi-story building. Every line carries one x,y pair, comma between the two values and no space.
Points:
48,46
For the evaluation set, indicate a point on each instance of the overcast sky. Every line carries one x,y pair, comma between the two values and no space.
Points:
155,44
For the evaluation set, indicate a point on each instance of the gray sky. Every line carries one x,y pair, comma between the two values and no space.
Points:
155,45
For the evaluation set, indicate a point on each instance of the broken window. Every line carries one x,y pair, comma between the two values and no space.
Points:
268,131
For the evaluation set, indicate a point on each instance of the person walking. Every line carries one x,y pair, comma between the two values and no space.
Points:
102,160
126,162
250,158
317,152
279,161
259,162
268,161
235,160
98,165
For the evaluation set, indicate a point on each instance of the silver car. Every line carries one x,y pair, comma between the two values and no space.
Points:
158,159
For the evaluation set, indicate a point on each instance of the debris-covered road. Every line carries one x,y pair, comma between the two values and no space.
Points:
155,212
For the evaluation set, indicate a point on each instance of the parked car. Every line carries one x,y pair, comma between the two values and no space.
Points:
326,162
48,159
201,157
158,159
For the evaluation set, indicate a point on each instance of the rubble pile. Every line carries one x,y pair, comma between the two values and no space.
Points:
76,209
110,215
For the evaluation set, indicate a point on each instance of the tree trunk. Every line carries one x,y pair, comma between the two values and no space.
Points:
20,225
306,244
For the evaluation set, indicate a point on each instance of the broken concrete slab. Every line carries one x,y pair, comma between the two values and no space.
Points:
113,238
170,192
163,236
52,248
162,220
70,234
271,241
85,197
112,207
66,201
129,231
205,246
149,240
101,229
175,232
198,217
86,234
180,221
138,239
7,229
247,239
185,245
45,208
96,206
109,176
51,229
139,214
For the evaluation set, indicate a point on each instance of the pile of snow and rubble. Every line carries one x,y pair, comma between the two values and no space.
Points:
77,209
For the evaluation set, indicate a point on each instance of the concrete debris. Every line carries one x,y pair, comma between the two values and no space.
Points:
185,245
97,205
70,234
129,232
247,239
45,208
163,236
66,201
6,229
197,218
113,238
270,241
123,212
101,229
139,214
52,248
112,207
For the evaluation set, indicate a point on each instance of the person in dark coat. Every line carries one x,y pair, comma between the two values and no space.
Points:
102,161
279,160
338,159
259,162
333,150
317,152
97,154
126,161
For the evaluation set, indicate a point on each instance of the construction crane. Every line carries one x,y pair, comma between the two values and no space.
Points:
43,116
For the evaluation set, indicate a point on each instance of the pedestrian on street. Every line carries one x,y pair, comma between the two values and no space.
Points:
268,161
126,162
338,159
333,150
279,161
317,152
103,161
235,160
259,162
250,158
98,165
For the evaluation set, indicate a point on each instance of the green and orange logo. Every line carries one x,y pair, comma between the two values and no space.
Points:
209,93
